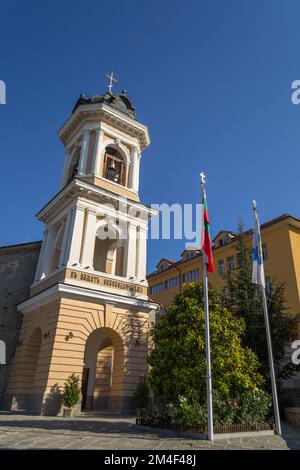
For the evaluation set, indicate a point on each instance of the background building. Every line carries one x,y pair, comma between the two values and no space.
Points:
17,268
281,251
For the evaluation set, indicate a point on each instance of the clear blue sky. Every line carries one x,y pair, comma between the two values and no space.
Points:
210,78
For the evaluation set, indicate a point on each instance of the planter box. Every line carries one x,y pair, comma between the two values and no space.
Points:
292,415
68,413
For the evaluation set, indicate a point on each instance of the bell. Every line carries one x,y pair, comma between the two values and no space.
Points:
112,166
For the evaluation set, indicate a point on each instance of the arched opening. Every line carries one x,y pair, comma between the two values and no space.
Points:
109,249
114,168
73,167
102,385
30,366
57,248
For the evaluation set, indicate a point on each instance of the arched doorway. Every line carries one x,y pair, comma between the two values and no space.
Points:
109,249
102,384
30,367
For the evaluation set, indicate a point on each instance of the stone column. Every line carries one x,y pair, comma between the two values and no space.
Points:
48,256
62,258
41,256
89,239
134,169
73,246
84,152
66,167
142,254
130,251
97,152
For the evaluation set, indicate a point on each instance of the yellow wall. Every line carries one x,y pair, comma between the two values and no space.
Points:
59,357
283,264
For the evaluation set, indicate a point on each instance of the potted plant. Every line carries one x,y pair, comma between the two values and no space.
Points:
71,395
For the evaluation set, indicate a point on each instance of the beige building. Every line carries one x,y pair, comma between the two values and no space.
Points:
88,311
281,251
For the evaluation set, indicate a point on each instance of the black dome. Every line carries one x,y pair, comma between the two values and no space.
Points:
120,102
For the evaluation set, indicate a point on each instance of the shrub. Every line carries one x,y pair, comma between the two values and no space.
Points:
251,408
72,392
254,408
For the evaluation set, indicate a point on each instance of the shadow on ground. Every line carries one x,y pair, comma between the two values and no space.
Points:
98,424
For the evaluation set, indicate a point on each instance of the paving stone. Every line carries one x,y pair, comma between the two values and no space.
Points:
20,431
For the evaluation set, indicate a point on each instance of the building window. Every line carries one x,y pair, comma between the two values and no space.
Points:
268,287
157,288
161,268
221,242
264,251
191,275
223,297
113,166
232,296
174,281
190,255
230,263
221,267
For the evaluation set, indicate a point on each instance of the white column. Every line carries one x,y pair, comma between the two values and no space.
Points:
89,239
41,256
66,166
130,251
84,152
62,258
49,247
137,176
97,152
142,254
134,169
73,247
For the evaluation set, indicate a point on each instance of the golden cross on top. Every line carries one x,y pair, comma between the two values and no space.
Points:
111,79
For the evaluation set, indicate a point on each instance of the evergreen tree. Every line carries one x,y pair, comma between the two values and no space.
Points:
245,302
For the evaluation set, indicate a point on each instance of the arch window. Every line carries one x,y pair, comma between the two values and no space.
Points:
73,168
114,169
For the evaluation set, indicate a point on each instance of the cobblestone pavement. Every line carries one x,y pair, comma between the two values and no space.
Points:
20,431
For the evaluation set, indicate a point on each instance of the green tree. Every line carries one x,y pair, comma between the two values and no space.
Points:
71,394
177,361
245,302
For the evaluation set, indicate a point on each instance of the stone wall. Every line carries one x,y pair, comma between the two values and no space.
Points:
17,269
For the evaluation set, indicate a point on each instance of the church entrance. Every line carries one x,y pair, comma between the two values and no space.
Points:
102,381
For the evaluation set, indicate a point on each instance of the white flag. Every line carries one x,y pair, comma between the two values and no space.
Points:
258,274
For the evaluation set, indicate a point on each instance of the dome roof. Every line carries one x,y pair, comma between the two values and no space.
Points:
120,102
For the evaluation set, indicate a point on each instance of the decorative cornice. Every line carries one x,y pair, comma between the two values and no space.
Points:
108,115
78,188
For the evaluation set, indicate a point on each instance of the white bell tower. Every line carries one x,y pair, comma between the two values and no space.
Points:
96,225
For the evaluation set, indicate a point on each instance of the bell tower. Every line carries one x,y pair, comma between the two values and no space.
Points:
88,312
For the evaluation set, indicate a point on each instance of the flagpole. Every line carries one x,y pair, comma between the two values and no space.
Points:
210,432
269,344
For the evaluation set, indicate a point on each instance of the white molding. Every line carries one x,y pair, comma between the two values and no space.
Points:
79,188
102,111
114,134
61,290
121,148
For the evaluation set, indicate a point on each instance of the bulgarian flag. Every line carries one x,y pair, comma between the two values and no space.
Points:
206,240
